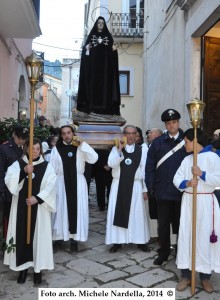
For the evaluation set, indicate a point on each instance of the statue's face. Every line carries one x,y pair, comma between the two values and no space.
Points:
100,25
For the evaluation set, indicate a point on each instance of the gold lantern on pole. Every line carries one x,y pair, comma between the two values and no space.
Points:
195,110
34,65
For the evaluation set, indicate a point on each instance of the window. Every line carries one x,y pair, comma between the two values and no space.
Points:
124,80
136,10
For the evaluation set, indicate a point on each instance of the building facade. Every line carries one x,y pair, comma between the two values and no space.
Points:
48,100
181,60
70,82
19,25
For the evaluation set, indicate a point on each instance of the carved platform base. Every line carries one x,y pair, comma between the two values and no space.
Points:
79,117
99,131
99,136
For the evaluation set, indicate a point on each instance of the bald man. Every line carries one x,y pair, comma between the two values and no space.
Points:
153,134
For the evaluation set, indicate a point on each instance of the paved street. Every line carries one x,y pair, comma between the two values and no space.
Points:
93,266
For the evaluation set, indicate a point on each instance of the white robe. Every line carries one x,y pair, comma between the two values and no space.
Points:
42,241
207,254
137,231
84,153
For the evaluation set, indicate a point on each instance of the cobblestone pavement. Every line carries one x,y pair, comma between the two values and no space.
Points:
93,266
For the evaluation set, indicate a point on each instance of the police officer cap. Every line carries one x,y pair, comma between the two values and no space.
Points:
42,118
21,132
170,114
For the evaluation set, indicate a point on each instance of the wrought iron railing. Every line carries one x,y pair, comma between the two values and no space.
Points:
127,25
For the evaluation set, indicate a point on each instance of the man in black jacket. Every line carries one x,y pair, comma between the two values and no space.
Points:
164,158
103,178
10,151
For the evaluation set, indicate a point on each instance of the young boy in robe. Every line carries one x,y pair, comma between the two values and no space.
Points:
207,213
38,254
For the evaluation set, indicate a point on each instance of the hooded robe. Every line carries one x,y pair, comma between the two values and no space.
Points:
99,90
39,254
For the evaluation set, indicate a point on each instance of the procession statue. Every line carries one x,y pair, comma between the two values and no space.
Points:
99,90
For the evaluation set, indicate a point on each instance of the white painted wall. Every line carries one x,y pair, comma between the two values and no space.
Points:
11,68
164,63
172,56
70,81
131,106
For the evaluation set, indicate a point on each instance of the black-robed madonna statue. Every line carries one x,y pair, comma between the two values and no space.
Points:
99,90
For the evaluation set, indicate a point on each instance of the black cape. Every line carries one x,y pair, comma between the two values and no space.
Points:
99,90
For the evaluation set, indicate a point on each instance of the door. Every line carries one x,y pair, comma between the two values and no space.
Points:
211,86
135,11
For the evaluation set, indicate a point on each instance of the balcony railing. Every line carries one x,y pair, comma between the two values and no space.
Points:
127,25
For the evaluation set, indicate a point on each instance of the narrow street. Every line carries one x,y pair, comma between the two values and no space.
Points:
93,266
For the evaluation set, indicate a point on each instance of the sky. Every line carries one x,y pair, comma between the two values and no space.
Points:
61,23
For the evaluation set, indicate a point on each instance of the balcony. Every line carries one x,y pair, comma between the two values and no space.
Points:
125,27
185,4
19,19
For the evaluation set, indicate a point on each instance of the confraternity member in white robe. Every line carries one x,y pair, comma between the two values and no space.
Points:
208,213
127,219
39,253
68,159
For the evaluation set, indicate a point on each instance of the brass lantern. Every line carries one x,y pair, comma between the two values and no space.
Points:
195,110
34,65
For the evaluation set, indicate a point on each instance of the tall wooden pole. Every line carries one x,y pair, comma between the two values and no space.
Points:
193,280
31,138
34,65
195,109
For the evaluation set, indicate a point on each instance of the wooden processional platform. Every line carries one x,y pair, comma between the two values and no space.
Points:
99,131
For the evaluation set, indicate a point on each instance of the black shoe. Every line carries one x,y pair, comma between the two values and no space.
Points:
37,278
159,261
115,248
73,246
144,247
22,276
153,240
57,245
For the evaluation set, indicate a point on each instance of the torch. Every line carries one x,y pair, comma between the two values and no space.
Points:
34,65
195,110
